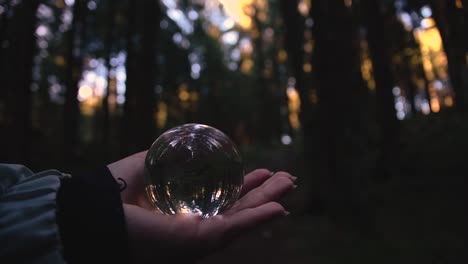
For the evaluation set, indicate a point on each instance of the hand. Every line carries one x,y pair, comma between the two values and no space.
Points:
155,237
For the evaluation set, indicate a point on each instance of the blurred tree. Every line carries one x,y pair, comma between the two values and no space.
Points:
341,96
108,44
6,12
294,42
143,29
173,70
16,63
215,101
458,28
450,20
408,66
74,57
267,118
464,11
294,24
377,18
455,38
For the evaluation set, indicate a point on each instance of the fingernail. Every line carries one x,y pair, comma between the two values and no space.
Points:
271,174
286,213
295,186
293,178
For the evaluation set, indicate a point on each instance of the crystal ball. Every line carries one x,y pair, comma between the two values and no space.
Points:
193,168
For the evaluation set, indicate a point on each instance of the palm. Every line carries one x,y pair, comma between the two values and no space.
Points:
256,205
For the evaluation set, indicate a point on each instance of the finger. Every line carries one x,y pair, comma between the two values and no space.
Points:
140,155
280,174
251,217
269,191
254,179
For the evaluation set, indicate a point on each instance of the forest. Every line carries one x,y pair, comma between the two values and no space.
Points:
366,101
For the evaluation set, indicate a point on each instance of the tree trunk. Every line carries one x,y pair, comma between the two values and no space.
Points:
16,72
417,70
380,55
294,38
75,38
105,104
465,26
3,26
294,42
267,118
339,92
140,123
448,19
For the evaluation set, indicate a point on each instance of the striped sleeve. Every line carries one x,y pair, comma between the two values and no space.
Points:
28,227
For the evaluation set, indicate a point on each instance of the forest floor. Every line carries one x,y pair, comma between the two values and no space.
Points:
420,218
424,225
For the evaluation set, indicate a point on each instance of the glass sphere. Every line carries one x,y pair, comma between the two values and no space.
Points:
195,169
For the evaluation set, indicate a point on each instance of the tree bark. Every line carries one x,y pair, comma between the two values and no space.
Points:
449,21
140,123
75,38
105,104
339,91
268,117
3,26
295,28
380,55
294,42
16,64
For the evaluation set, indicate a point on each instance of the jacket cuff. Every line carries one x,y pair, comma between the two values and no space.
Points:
91,218
28,228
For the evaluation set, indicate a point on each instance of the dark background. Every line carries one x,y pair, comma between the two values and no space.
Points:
365,101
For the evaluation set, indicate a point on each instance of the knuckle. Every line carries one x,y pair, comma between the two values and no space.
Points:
283,181
276,206
263,196
260,172
283,174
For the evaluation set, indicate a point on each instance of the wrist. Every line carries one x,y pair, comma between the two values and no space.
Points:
90,217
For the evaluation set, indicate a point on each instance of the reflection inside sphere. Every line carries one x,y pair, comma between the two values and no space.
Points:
193,168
